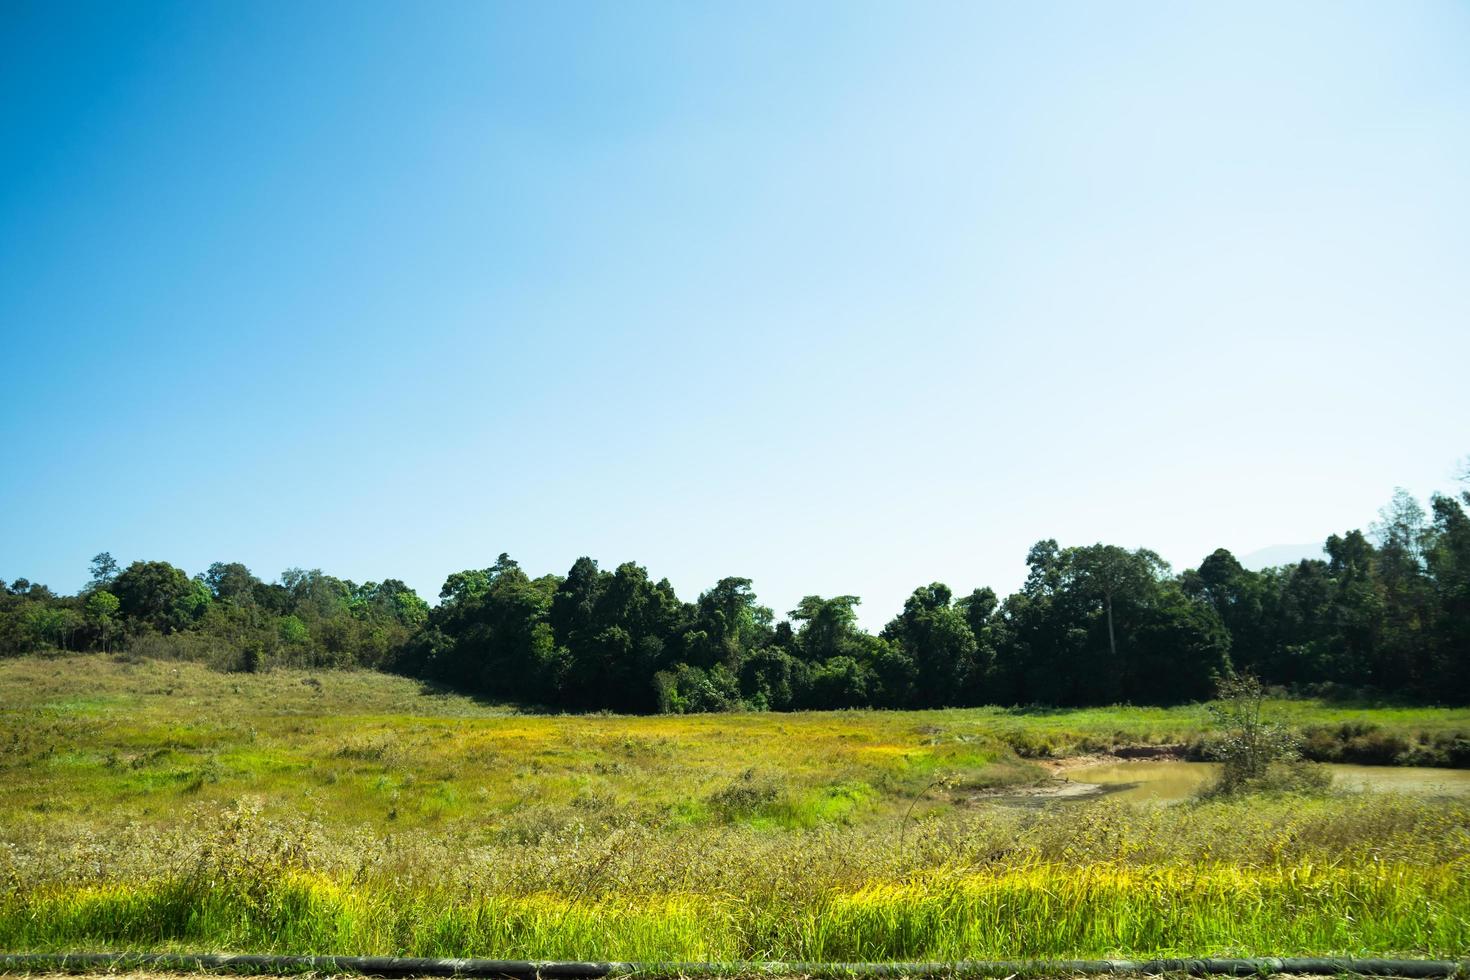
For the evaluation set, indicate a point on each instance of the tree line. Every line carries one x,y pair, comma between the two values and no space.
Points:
225,616
1387,611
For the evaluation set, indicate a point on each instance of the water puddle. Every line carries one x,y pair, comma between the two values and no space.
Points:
1174,780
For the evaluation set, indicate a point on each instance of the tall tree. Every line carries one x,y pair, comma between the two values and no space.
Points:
1402,534
231,582
980,610
101,611
733,623
1355,628
828,626
1240,598
1107,572
1448,559
936,637
104,570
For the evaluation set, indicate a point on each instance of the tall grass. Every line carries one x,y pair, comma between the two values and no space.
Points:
1326,876
1039,911
1087,910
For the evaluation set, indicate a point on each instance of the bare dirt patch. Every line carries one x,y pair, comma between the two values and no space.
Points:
1124,753
1055,789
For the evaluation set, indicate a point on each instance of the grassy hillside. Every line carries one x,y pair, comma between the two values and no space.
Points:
161,805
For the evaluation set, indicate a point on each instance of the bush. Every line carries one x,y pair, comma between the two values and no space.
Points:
690,690
1029,744
744,797
1295,776
1253,751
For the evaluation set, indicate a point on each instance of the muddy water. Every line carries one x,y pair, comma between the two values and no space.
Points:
1146,780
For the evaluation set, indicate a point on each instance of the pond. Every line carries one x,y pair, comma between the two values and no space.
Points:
1155,780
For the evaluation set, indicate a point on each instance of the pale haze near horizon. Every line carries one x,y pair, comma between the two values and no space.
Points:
843,298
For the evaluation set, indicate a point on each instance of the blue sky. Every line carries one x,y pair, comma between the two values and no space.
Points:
842,297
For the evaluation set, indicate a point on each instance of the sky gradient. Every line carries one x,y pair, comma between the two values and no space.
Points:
845,298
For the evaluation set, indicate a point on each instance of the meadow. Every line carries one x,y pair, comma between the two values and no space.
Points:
155,805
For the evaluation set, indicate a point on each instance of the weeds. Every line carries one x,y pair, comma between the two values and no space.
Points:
744,797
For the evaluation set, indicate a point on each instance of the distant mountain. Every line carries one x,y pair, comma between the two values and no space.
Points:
1280,554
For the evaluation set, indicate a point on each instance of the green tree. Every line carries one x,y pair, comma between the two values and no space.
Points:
149,594
314,595
104,570
1353,631
936,637
772,679
231,582
1240,598
294,632
1108,572
732,622
1247,745
840,682
621,642
490,634
828,626
1407,594
1043,658
1448,562
1177,651
48,626
101,611
192,605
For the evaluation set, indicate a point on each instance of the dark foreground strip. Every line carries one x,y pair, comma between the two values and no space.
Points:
393,966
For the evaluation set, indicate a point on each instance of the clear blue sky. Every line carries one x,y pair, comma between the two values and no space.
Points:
842,297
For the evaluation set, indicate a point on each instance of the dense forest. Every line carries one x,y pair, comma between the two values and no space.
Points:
1386,612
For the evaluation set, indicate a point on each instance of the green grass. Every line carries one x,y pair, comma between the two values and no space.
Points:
1094,911
158,806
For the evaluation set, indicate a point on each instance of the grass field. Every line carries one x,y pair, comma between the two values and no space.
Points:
155,805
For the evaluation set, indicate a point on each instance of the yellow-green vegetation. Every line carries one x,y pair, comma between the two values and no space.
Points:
88,739
157,805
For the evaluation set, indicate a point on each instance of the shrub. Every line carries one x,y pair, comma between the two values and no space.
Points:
744,797
1251,749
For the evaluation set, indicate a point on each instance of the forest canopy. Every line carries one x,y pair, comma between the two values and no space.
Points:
1387,611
